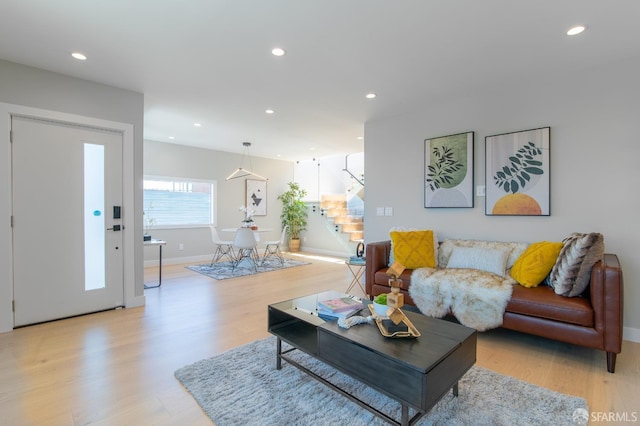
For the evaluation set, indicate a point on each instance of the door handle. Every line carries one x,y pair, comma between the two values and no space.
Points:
115,228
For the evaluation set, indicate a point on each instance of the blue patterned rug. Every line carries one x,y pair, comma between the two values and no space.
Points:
223,270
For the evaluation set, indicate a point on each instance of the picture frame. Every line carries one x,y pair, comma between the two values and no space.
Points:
256,196
517,173
448,171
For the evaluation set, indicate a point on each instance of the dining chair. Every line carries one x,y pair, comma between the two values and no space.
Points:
245,245
223,247
272,248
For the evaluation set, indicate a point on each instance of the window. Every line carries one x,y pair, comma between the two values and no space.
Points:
178,202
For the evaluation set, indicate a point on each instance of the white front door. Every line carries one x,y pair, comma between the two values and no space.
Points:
67,237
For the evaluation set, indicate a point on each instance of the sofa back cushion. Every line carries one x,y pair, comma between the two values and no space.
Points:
483,259
515,249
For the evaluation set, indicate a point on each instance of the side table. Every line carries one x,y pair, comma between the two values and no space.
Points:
356,267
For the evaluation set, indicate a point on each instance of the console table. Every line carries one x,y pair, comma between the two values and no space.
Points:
158,243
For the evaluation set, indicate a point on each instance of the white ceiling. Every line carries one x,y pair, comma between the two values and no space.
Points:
210,61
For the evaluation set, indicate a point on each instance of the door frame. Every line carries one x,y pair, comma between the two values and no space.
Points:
132,250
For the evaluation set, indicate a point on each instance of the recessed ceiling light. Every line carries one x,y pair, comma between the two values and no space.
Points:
370,95
79,56
278,51
197,124
360,138
269,111
172,137
576,30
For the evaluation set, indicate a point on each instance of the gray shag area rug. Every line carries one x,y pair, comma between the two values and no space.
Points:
243,387
224,270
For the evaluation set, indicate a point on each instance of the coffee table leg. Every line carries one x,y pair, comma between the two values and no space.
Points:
278,354
404,419
455,389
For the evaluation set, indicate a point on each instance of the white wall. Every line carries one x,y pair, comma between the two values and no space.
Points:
593,115
63,96
326,175
171,160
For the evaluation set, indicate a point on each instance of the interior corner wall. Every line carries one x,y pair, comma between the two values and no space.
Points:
593,115
44,90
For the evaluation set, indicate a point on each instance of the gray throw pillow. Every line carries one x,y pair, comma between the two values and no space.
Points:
571,274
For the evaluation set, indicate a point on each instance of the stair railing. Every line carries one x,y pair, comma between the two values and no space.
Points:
346,169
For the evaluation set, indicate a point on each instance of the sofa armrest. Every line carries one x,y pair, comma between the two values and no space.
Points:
377,255
606,291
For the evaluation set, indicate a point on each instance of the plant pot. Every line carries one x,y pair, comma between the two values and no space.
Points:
380,310
294,245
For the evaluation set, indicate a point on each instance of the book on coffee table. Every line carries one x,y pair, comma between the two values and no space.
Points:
340,304
328,315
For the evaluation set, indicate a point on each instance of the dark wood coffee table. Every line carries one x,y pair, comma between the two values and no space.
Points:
416,372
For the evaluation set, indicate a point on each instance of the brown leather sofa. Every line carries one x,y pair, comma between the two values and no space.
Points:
593,320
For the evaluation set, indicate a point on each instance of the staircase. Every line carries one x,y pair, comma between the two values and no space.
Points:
334,207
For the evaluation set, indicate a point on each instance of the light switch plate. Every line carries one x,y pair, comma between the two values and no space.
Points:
480,191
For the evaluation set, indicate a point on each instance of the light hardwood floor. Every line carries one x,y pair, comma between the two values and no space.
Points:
116,367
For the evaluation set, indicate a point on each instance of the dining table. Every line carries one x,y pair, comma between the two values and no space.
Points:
256,233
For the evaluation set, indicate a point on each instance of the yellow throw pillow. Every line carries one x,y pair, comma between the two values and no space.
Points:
414,249
535,263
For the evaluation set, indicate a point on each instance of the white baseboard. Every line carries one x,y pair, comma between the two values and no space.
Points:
340,254
135,302
178,260
631,334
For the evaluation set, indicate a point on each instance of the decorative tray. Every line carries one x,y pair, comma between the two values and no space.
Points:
412,330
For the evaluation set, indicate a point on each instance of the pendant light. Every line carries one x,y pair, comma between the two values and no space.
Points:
242,172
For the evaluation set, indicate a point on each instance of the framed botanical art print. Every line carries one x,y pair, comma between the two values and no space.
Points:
517,173
257,196
448,171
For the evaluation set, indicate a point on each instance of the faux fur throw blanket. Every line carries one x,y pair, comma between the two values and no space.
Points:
476,298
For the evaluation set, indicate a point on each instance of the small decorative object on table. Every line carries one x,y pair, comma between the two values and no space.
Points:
350,322
395,299
247,222
388,328
380,305
149,222
389,318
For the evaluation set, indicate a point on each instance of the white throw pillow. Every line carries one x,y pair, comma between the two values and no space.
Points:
489,260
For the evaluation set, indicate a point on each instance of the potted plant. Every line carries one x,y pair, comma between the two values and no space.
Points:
294,213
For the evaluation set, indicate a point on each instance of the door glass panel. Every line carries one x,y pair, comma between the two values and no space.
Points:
94,220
